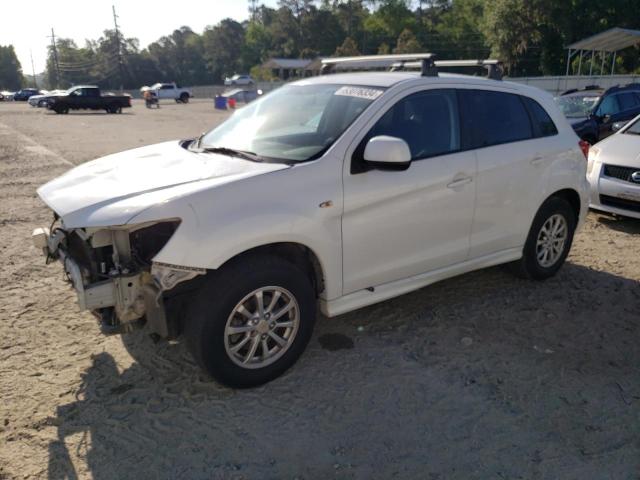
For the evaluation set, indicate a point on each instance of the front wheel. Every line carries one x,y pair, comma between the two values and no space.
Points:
549,240
184,98
251,321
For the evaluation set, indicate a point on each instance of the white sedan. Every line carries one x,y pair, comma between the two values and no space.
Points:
239,80
614,172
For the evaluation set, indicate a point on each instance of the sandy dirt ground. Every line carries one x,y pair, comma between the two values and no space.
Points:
483,376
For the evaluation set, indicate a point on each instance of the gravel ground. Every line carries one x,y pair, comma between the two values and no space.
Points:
481,376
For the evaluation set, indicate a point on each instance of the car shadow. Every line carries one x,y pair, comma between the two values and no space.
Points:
87,114
621,224
481,373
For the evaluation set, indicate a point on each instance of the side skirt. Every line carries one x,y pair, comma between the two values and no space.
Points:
385,291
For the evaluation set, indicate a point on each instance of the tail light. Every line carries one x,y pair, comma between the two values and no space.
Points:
129,101
584,146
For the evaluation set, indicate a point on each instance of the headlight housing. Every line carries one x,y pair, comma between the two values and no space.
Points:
147,242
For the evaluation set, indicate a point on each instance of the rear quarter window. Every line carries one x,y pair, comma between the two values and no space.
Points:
542,124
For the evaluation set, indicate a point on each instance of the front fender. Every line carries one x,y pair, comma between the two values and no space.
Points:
283,206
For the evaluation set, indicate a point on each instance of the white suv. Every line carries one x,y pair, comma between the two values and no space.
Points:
343,189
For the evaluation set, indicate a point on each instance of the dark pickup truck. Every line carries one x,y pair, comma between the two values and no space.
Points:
88,98
595,113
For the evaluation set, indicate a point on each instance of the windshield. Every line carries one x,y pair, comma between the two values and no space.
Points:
294,123
574,106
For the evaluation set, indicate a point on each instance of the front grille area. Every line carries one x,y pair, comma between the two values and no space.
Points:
621,203
621,173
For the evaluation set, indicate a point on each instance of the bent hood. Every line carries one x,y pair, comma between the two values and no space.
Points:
126,183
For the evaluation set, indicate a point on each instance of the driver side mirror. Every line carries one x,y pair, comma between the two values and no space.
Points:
387,153
605,118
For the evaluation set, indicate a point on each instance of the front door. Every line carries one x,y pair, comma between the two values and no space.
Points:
397,224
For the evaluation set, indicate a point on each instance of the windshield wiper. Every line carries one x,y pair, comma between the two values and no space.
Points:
233,153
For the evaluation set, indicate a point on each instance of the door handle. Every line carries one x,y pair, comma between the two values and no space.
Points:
537,160
459,182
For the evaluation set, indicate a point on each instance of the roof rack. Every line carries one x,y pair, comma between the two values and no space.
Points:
425,61
422,60
494,67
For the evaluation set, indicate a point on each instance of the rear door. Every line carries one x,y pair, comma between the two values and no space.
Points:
93,98
397,224
512,166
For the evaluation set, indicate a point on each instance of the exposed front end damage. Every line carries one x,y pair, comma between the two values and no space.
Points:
114,276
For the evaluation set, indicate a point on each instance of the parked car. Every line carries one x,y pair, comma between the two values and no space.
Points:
88,97
24,94
6,96
239,80
613,172
172,91
242,95
592,111
345,189
41,101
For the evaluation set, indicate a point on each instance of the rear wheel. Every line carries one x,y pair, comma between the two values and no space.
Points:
184,98
251,321
549,240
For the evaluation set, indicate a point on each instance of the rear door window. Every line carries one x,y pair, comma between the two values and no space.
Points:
493,118
627,101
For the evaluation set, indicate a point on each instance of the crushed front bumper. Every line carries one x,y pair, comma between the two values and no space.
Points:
118,300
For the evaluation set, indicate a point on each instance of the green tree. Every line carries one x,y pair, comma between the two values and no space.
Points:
407,43
223,45
349,48
10,69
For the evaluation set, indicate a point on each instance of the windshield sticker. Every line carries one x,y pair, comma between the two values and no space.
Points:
359,92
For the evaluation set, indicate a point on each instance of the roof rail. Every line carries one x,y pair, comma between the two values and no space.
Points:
422,60
494,67
425,61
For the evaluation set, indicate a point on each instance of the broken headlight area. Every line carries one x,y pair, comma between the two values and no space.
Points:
111,271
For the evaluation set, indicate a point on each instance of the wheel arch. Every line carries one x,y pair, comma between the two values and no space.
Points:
571,196
297,253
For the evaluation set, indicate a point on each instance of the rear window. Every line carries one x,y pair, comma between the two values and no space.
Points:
543,126
493,118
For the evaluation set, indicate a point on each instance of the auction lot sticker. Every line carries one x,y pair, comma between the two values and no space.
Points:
359,92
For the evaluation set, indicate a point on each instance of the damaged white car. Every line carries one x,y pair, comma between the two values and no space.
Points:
343,190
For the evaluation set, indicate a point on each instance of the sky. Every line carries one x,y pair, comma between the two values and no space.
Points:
29,29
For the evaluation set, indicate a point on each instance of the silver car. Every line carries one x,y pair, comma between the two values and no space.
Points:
613,172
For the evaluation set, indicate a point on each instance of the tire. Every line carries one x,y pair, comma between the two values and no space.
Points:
184,97
215,307
554,211
42,103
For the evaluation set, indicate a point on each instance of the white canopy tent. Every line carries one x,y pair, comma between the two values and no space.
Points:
609,42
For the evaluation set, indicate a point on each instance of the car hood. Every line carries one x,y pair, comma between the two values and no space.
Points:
113,189
620,149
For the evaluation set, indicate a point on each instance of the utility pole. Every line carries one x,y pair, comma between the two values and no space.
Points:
55,58
120,64
33,70
253,9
